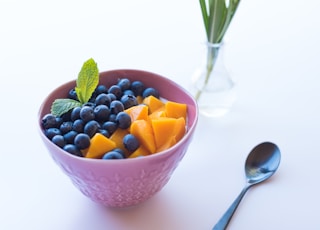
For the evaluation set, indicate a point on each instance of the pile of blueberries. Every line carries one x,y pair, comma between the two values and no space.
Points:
104,113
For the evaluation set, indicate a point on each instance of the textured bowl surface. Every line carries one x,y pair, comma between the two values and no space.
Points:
127,182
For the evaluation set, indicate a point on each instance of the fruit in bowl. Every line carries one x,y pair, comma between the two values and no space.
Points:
118,134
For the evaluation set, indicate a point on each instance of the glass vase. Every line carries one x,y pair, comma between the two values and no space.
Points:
212,84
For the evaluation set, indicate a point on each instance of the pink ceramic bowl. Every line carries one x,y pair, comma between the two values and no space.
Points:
126,182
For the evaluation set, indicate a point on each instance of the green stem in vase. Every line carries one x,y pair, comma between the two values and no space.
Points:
212,56
217,16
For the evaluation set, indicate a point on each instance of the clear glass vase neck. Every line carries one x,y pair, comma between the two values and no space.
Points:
214,87
212,56
214,45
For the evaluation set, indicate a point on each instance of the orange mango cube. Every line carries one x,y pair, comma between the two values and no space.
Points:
175,109
141,151
138,112
158,113
153,103
117,138
169,143
142,130
99,145
167,131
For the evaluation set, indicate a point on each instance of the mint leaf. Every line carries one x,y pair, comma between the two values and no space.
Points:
61,106
87,81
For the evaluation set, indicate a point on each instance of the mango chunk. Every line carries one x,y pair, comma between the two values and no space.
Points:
179,129
141,151
117,138
156,124
138,112
153,103
162,129
167,131
169,143
142,130
175,109
99,145
158,113
139,99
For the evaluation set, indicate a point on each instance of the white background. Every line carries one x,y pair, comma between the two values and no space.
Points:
273,53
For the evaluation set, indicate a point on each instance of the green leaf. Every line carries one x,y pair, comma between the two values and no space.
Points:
205,16
87,81
217,16
217,19
61,106
232,8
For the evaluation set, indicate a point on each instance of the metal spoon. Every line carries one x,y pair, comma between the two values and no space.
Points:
261,163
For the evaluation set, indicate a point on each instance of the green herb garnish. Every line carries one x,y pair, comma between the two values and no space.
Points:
217,16
87,81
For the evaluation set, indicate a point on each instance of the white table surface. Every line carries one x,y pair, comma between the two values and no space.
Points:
272,51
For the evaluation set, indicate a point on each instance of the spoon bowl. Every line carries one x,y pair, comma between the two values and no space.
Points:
261,163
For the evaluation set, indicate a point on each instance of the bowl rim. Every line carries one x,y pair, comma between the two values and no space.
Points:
163,153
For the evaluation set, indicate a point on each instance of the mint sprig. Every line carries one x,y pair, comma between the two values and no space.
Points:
87,82
61,106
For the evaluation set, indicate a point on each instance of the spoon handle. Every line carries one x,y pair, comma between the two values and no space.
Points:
225,219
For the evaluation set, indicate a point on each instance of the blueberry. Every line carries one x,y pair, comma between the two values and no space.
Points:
78,125
75,113
116,90
72,94
128,101
91,128
69,136
101,113
137,87
112,118
92,98
116,107
150,91
59,140
130,142
82,141
103,99
65,127
123,120
70,148
110,126
104,132
86,113
66,116
112,97
51,132
90,104
101,89
120,151
112,155
49,121
124,84
128,92
59,121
